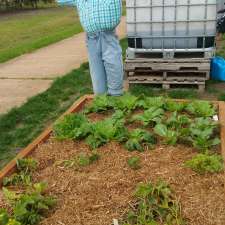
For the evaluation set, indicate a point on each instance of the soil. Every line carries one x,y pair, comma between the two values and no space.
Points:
100,192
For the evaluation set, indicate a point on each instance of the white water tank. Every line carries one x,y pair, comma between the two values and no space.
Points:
171,24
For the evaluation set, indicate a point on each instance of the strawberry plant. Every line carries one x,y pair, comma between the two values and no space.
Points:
205,163
72,126
201,134
150,117
201,109
170,136
155,204
139,138
100,103
25,168
134,163
30,207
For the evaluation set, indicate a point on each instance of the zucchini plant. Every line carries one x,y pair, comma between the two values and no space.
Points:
139,138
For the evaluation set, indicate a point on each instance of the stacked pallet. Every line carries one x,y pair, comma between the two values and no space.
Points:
168,72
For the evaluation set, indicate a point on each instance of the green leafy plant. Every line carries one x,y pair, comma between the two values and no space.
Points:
201,134
201,109
205,163
170,136
27,165
6,220
148,102
106,130
81,160
151,116
139,138
100,103
25,168
177,121
155,204
173,106
134,163
126,102
72,126
30,207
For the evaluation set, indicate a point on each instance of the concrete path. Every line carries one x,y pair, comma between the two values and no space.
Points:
30,74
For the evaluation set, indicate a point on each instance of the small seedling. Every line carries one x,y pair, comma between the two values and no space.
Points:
25,168
134,163
81,160
204,163
155,204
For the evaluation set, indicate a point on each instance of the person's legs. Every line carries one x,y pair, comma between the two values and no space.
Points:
113,62
97,69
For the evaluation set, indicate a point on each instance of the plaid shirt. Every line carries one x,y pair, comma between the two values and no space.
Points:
97,15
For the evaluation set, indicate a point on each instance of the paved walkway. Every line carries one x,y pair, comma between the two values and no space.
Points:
33,73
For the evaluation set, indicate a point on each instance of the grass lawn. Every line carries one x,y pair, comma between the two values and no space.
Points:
32,29
23,32
21,125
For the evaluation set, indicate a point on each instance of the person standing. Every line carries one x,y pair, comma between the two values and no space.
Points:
99,19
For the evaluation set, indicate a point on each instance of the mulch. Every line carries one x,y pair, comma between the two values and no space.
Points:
100,192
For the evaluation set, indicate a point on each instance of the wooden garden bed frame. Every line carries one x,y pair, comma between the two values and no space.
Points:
76,107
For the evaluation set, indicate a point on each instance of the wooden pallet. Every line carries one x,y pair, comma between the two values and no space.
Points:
168,65
171,75
168,72
165,84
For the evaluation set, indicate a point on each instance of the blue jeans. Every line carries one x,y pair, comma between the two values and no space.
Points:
106,64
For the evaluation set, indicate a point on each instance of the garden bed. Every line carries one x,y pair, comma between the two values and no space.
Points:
95,194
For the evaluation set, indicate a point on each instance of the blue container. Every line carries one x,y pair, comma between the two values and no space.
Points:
218,69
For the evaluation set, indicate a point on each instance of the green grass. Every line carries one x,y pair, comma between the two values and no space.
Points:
24,32
21,125
29,30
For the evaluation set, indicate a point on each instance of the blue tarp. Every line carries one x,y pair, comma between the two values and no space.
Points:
218,69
